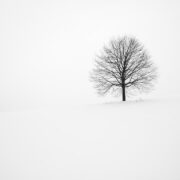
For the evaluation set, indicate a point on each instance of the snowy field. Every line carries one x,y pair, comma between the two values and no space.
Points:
137,140
52,125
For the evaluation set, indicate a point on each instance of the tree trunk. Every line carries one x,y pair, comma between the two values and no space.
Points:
123,93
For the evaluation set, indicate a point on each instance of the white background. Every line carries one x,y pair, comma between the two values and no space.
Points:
48,47
52,123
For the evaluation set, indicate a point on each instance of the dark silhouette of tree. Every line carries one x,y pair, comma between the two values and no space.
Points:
123,65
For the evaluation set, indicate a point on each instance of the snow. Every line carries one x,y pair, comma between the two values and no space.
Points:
52,124
110,140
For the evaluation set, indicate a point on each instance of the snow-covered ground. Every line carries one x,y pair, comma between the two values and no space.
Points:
51,126
137,140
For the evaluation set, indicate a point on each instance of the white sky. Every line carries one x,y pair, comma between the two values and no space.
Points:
48,47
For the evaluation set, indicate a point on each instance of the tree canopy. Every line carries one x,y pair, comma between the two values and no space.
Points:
122,65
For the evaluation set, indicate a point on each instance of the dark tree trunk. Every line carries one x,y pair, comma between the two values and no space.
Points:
123,93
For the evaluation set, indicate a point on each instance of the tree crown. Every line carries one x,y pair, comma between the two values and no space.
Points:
123,64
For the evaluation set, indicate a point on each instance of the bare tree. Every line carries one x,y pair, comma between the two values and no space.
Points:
123,65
